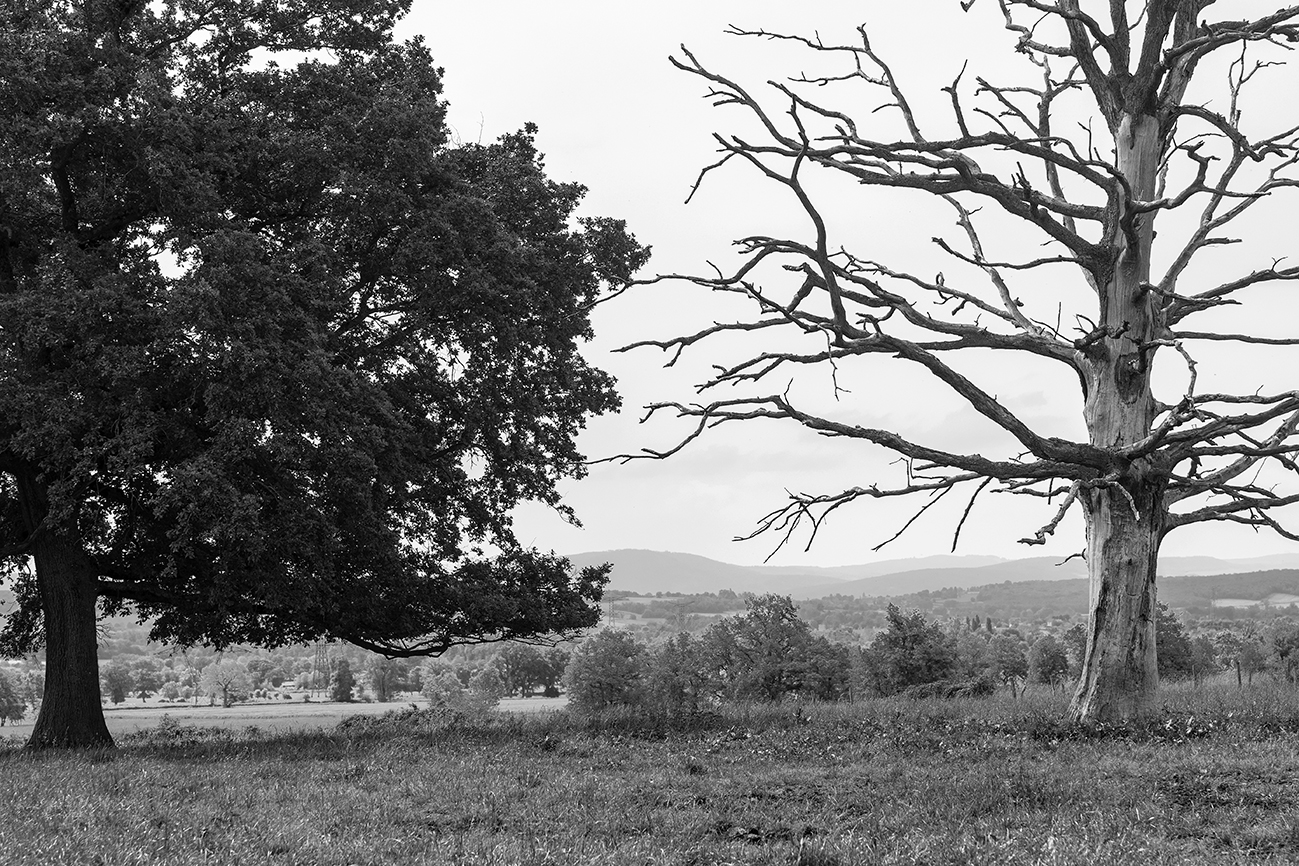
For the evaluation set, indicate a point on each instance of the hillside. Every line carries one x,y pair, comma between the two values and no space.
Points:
1069,597
649,571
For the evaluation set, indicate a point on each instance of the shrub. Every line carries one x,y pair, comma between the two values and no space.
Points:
607,670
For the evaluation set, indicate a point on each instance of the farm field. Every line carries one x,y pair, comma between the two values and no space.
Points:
272,715
1214,778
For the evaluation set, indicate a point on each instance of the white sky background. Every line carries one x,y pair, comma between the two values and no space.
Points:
616,116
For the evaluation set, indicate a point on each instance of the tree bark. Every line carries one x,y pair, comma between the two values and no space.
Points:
1120,670
71,714
1125,515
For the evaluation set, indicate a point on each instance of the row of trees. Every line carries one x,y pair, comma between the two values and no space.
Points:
769,653
766,653
518,669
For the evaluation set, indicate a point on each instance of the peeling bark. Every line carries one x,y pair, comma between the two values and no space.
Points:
1124,519
1120,673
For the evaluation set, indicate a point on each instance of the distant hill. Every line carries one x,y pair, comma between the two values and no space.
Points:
1037,568
650,571
1059,597
887,566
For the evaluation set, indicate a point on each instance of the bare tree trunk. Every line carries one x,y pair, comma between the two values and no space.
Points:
1120,671
71,714
1125,511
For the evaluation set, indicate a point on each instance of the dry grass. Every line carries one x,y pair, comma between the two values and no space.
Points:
1213,779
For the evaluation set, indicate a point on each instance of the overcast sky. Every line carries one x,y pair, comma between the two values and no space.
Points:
616,116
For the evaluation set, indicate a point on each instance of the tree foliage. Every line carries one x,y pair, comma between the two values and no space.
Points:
1175,652
1008,659
226,679
1048,663
606,670
524,669
680,678
118,680
12,705
769,652
910,652
277,359
342,682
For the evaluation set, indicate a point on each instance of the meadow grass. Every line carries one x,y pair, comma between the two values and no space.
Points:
1212,778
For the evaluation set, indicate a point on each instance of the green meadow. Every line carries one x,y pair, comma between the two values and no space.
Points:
1212,778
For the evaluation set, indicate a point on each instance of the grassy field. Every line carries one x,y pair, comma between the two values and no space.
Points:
271,716
1213,779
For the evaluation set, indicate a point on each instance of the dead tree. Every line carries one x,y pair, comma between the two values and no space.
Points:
1089,196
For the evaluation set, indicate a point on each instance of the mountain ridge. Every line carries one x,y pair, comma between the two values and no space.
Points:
649,571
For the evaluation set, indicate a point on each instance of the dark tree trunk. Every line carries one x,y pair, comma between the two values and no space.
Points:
71,714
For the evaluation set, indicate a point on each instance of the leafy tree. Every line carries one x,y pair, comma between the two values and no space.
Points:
258,671
1008,659
971,654
678,678
1175,656
1228,647
1284,638
226,679
1075,643
31,688
1078,191
342,682
1252,659
147,673
487,687
910,652
522,668
385,675
769,651
117,679
1204,658
1048,663
12,705
276,358
441,688
606,670
556,660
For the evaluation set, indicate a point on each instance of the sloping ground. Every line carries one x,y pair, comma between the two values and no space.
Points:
649,571
1070,596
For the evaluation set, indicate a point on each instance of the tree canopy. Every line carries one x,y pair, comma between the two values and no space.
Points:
277,357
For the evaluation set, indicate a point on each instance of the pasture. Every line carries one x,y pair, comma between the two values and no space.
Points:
1214,778
271,716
